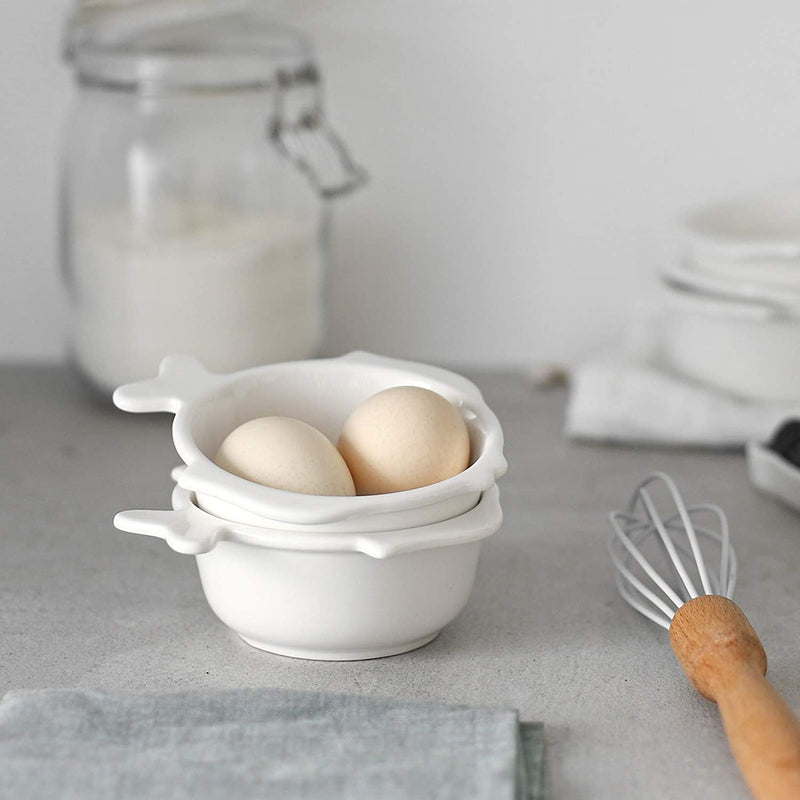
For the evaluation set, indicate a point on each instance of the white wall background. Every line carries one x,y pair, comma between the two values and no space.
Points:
527,159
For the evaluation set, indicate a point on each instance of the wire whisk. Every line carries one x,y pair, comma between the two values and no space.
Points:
711,637
678,537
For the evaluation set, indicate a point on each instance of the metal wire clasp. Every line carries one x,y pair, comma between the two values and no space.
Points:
300,131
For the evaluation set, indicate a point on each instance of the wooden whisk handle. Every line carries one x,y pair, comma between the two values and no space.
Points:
724,660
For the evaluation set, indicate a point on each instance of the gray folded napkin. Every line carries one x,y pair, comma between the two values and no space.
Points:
261,743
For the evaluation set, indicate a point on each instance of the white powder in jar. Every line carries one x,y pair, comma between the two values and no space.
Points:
236,289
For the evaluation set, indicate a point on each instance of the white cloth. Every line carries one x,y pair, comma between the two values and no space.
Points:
629,398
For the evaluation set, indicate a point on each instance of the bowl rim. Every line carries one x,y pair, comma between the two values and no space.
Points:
687,298
183,384
189,529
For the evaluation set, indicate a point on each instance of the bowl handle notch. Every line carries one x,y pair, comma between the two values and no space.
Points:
181,379
473,526
182,531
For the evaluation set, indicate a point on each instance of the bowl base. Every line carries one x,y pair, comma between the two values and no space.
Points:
341,655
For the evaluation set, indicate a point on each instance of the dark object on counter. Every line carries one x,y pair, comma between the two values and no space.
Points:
251,743
774,467
786,441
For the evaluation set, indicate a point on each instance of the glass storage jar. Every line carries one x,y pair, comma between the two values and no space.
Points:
196,170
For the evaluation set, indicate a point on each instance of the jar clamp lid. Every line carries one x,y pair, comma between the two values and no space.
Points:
300,131
163,47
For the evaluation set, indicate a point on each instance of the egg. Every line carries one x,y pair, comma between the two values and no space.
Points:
403,438
285,453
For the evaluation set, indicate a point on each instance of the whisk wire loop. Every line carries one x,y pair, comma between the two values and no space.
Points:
642,607
628,583
636,554
678,536
687,523
669,548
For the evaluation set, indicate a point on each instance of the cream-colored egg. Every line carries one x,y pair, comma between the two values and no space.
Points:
285,453
403,438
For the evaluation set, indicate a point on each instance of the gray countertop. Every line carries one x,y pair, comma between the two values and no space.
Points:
545,632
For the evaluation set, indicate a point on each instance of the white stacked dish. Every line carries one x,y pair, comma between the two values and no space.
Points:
733,300
311,576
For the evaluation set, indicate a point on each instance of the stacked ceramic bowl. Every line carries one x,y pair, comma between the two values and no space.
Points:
733,300
322,577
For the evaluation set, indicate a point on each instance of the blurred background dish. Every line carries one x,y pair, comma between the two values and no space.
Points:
748,349
756,235
732,299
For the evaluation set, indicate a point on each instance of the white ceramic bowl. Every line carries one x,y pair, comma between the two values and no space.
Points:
749,349
329,595
322,392
761,230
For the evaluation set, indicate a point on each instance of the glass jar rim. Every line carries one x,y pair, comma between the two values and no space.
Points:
229,52
156,72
